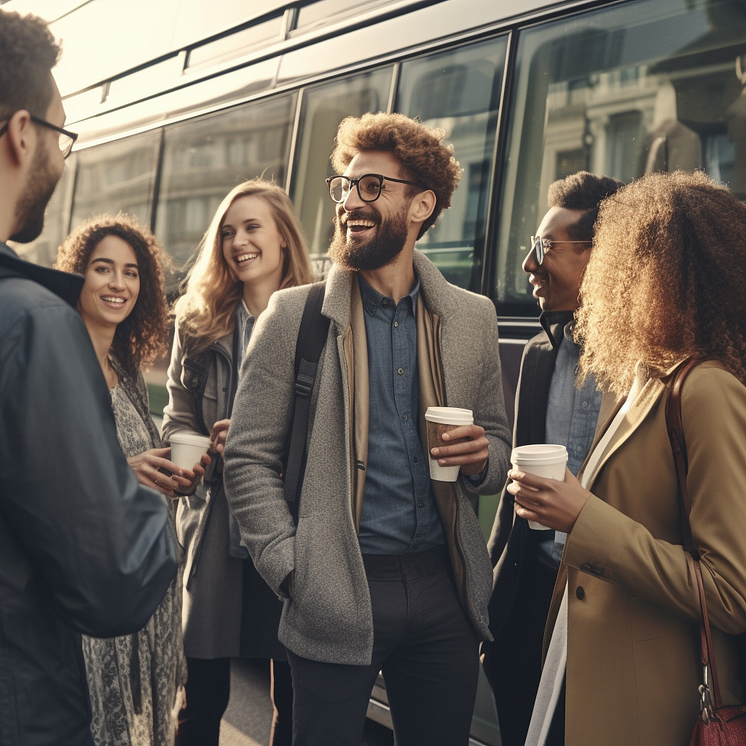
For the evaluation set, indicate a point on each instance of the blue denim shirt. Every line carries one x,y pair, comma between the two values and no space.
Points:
572,414
399,513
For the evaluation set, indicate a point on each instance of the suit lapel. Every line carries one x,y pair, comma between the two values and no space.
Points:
638,410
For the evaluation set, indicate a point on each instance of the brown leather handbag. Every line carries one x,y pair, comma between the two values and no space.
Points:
717,725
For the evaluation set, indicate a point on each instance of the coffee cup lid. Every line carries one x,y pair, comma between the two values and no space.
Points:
191,439
540,452
449,415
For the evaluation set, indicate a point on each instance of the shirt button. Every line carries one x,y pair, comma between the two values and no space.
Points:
422,505
396,324
585,405
400,371
385,301
405,417
416,460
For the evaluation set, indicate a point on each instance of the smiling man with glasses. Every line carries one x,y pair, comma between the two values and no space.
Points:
387,569
83,547
549,409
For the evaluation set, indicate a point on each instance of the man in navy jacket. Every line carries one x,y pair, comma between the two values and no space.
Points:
83,548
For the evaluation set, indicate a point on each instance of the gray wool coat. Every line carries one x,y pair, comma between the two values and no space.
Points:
329,616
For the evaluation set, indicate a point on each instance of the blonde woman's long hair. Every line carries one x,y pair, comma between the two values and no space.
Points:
205,312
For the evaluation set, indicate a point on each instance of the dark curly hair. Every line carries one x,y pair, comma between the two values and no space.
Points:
665,280
582,191
28,52
143,335
418,148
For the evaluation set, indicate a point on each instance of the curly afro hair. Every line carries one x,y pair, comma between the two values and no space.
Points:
418,148
143,335
665,280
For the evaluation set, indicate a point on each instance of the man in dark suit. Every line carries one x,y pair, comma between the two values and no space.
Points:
549,409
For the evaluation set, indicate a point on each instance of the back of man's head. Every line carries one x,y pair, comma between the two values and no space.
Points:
28,52
582,191
419,149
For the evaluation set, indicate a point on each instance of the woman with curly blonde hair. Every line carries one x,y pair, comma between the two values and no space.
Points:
665,283
134,680
253,247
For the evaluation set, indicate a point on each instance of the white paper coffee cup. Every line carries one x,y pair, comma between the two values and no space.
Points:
187,449
440,420
543,460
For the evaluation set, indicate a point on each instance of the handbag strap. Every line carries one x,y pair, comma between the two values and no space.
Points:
710,689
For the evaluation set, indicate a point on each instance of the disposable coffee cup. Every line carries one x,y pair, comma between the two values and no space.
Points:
440,420
544,460
187,449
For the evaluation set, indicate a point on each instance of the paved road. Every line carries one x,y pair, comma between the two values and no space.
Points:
247,719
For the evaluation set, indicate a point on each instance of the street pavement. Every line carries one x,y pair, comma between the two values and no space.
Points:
247,720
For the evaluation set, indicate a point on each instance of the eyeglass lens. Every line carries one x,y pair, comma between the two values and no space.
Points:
368,187
538,247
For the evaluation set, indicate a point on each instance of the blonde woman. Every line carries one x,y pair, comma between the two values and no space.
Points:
253,247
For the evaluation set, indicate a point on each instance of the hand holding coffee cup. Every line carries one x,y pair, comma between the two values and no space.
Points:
441,420
543,460
187,450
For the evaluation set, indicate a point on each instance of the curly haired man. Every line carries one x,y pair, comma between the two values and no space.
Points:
386,569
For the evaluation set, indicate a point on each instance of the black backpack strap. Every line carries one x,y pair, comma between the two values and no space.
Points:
311,340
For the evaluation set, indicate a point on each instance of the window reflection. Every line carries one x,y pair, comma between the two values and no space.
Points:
645,86
459,92
204,159
324,107
118,176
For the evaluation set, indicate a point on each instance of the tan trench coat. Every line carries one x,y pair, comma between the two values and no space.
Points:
633,649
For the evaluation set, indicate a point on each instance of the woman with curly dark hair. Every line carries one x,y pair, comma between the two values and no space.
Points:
134,680
665,283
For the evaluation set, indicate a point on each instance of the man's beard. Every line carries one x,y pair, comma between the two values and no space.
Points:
373,253
33,201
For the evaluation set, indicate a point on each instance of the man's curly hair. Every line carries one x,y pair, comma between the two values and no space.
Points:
143,335
28,52
665,280
418,148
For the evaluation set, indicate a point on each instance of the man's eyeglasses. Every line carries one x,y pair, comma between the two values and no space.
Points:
67,139
542,245
369,187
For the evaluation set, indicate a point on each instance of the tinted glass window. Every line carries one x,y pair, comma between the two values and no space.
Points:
324,107
118,176
459,91
643,86
205,158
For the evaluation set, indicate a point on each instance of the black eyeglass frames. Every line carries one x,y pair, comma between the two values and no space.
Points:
369,186
542,245
67,138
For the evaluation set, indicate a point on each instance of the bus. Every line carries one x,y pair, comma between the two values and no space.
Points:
177,101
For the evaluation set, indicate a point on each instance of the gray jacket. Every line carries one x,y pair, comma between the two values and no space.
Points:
329,617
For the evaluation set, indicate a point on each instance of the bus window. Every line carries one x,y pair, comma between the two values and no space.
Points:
205,158
117,176
642,86
324,107
459,91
